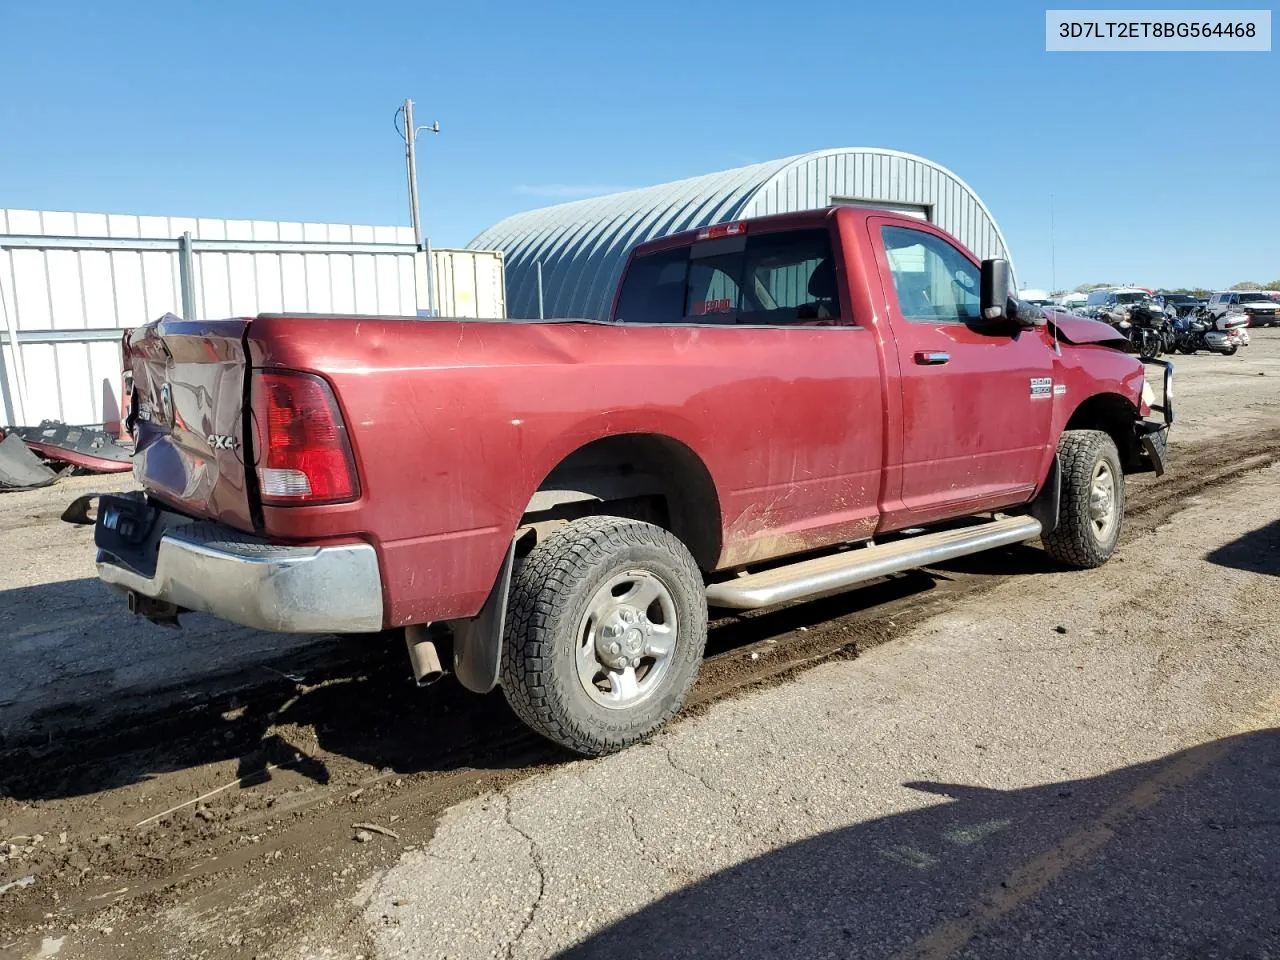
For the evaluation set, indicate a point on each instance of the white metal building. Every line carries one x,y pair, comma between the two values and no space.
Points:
70,282
582,246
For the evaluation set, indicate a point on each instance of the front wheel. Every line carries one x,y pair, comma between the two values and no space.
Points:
606,626
1150,347
1091,508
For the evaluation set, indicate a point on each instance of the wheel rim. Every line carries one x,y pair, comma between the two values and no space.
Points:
1102,500
627,639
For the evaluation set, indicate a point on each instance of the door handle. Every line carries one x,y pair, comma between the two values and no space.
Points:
930,358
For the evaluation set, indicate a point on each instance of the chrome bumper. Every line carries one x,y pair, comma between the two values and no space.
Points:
211,569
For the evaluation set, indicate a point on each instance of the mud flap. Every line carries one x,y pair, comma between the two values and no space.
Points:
1154,439
1046,504
20,469
477,643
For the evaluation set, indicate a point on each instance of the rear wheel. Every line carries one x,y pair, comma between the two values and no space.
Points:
1091,509
605,633
1230,350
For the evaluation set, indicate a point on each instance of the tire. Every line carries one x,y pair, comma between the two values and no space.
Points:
1080,541
563,611
1230,351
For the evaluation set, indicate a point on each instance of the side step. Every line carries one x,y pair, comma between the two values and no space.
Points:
809,578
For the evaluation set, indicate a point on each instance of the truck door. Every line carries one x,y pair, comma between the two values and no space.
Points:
977,404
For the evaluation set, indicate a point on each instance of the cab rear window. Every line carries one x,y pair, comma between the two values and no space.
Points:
782,278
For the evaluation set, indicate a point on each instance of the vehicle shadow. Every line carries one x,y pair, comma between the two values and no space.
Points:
94,698
1019,560
1258,551
1171,858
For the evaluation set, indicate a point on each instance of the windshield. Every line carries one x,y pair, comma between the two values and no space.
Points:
1249,296
1131,298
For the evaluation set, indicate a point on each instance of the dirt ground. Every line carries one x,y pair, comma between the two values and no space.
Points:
215,777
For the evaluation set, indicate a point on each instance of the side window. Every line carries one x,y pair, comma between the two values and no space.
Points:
934,281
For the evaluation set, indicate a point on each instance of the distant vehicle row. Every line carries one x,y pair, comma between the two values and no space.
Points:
1261,308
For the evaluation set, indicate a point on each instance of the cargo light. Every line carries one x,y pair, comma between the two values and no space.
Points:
722,230
304,455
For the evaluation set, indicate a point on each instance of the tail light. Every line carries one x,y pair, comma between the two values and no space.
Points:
303,454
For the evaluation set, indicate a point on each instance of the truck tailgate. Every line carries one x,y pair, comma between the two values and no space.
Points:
189,402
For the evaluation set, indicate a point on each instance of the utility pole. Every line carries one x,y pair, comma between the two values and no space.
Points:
410,135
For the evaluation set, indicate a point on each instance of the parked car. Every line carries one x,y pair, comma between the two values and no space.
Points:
1256,306
775,410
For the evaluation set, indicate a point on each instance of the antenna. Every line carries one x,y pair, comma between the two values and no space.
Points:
1053,273
1053,259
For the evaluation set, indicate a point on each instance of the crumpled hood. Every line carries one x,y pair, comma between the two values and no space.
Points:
1074,329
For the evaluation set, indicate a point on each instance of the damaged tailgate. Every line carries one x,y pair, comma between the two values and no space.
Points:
188,416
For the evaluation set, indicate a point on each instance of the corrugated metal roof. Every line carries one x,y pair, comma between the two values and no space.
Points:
583,245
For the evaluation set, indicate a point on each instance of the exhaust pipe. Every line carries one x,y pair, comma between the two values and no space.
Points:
159,612
423,656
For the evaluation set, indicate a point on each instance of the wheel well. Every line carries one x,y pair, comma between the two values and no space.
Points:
641,476
1114,415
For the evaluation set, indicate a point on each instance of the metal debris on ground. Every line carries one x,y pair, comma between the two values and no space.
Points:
20,469
88,448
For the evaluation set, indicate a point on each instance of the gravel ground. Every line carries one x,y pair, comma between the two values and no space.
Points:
775,820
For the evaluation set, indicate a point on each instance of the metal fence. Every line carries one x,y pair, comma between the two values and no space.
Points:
66,296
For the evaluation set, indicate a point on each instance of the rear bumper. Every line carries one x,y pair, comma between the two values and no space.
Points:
209,568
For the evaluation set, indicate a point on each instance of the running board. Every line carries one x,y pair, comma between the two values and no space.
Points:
809,578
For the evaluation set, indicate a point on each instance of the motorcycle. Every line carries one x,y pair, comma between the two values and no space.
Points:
1155,331
1202,331
1141,327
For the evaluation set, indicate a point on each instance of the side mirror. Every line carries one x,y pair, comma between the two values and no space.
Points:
995,290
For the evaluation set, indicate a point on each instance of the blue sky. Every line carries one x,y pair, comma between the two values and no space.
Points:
1162,166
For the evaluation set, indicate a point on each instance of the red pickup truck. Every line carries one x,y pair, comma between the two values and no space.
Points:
776,409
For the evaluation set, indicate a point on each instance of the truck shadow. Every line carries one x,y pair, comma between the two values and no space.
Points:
1258,551
94,699
1016,561
1161,859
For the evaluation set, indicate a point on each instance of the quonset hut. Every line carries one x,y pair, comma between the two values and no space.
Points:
583,245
